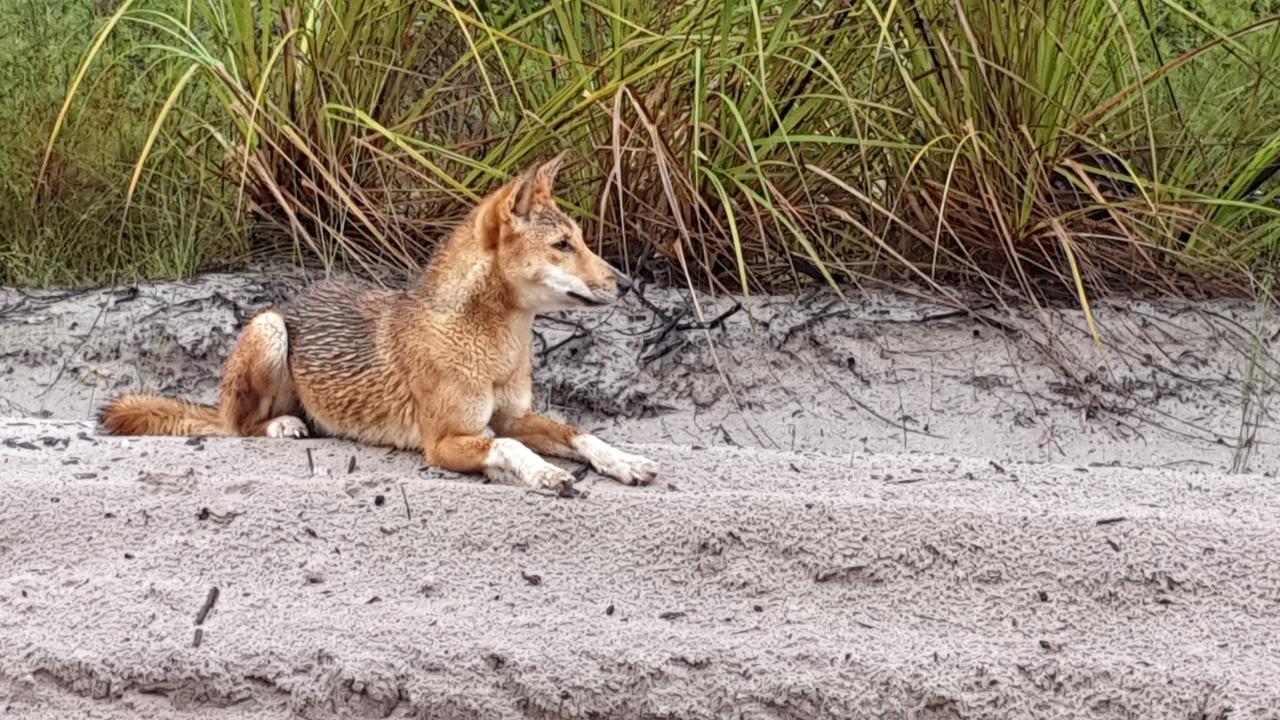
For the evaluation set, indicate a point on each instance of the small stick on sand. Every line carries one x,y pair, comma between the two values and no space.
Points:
208,606
405,496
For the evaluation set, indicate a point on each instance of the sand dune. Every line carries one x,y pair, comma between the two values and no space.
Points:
884,511
750,583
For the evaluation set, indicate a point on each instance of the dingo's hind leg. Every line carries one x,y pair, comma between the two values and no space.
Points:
257,395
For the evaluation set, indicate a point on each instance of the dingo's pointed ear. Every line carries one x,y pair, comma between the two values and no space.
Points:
523,195
544,178
536,186
493,212
516,199
499,210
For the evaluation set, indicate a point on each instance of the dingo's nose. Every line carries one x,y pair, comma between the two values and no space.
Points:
619,277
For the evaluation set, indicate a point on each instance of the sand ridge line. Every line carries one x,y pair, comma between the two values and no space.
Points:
810,580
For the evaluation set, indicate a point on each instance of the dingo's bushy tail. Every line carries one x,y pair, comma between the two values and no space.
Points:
155,415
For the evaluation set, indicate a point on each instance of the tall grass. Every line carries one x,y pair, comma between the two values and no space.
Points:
1046,148
1261,378
73,234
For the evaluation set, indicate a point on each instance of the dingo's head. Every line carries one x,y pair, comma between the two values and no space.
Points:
539,250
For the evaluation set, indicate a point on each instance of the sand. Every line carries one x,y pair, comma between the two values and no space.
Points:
886,511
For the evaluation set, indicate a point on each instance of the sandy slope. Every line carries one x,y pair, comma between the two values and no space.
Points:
755,584
886,374
884,510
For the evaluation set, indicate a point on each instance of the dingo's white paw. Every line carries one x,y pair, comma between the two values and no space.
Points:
621,466
511,462
552,478
630,469
286,426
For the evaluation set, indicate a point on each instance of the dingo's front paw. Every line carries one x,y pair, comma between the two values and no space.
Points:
286,426
511,462
552,478
630,469
621,466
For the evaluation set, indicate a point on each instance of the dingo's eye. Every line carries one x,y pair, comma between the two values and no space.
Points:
563,246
